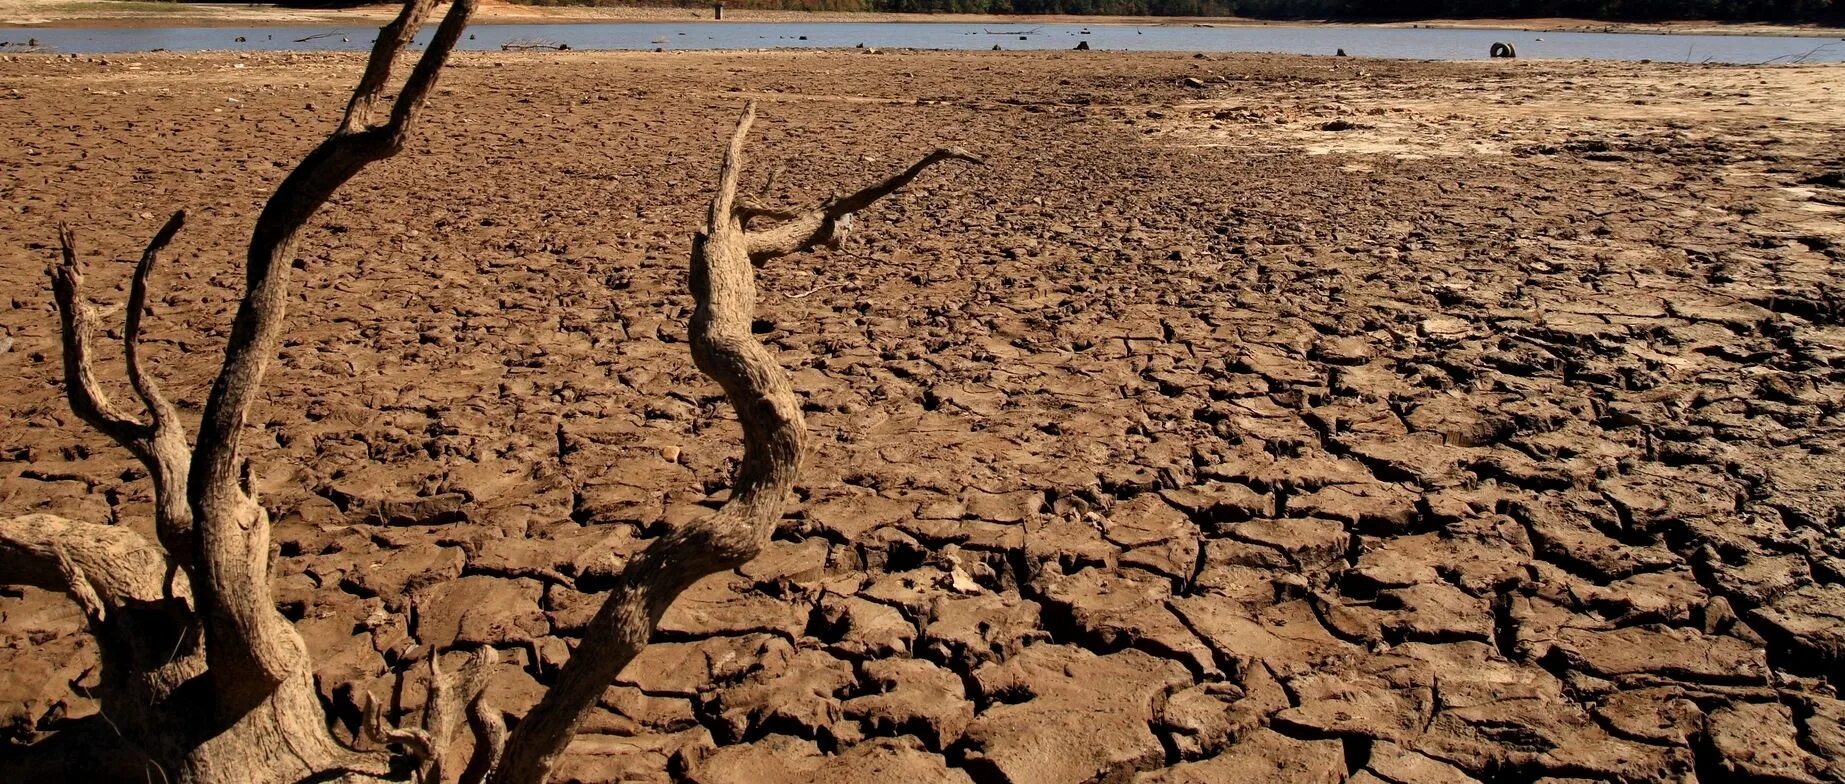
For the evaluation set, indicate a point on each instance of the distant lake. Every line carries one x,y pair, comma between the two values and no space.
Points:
1391,42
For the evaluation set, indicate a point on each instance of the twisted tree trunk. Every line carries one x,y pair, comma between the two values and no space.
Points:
200,673
723,282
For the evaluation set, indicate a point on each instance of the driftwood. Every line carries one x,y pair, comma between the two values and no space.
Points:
200,673
724,256
528,46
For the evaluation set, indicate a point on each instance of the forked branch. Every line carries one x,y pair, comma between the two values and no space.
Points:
251,647
723,284
159,444
827,223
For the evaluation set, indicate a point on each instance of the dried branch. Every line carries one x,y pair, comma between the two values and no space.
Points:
417,742
489,741
115,565
392,40
78,586
161,445
449,697
78,325
826,223
252,648
158,407
723,283
774,440
147,640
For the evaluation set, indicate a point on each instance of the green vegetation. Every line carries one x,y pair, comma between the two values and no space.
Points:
1626,10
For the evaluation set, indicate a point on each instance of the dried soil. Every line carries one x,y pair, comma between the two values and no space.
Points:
1322,421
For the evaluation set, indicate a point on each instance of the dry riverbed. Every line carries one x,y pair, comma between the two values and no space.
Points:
1312,420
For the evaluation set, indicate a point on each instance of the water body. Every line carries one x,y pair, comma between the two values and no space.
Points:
1401,43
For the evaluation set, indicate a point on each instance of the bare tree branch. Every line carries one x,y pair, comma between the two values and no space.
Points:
774,440
252,648
79,325
141,622
730,172
200,670
723,283
489,741
416,741
160,445
449,697
158,407
116,565
168,447
823,224
392,39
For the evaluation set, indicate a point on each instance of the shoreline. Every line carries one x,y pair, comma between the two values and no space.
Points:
26,14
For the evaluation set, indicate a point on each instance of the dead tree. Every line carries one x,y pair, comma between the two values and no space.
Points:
723,281
202,674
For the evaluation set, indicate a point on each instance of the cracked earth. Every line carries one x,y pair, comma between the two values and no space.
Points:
1314,420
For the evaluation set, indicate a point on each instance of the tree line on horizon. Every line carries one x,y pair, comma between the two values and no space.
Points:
1612,10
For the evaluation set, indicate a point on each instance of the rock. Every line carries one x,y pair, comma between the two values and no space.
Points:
1193,82
1309,543
1287,637
728,604
1124,609
801,698
1373,508
1662,715
1220,502
1664,651
1475,674
684,669
649,712
861,629
1808,624
968,632
1445,329
847,519
779,759
478,610
911,591
1651,597
1360,705
1460,421
912,697
1278,368
1263,756
1425,612
1825,731
1159,538
1062,714
1348,351
1758,578
1067,546
1542,735
1571,542
1390,762
1755,741
394,575
1002,507
788,568
1199,721
627,759
976,399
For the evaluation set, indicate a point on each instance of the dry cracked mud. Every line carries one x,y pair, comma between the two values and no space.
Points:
1381,422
